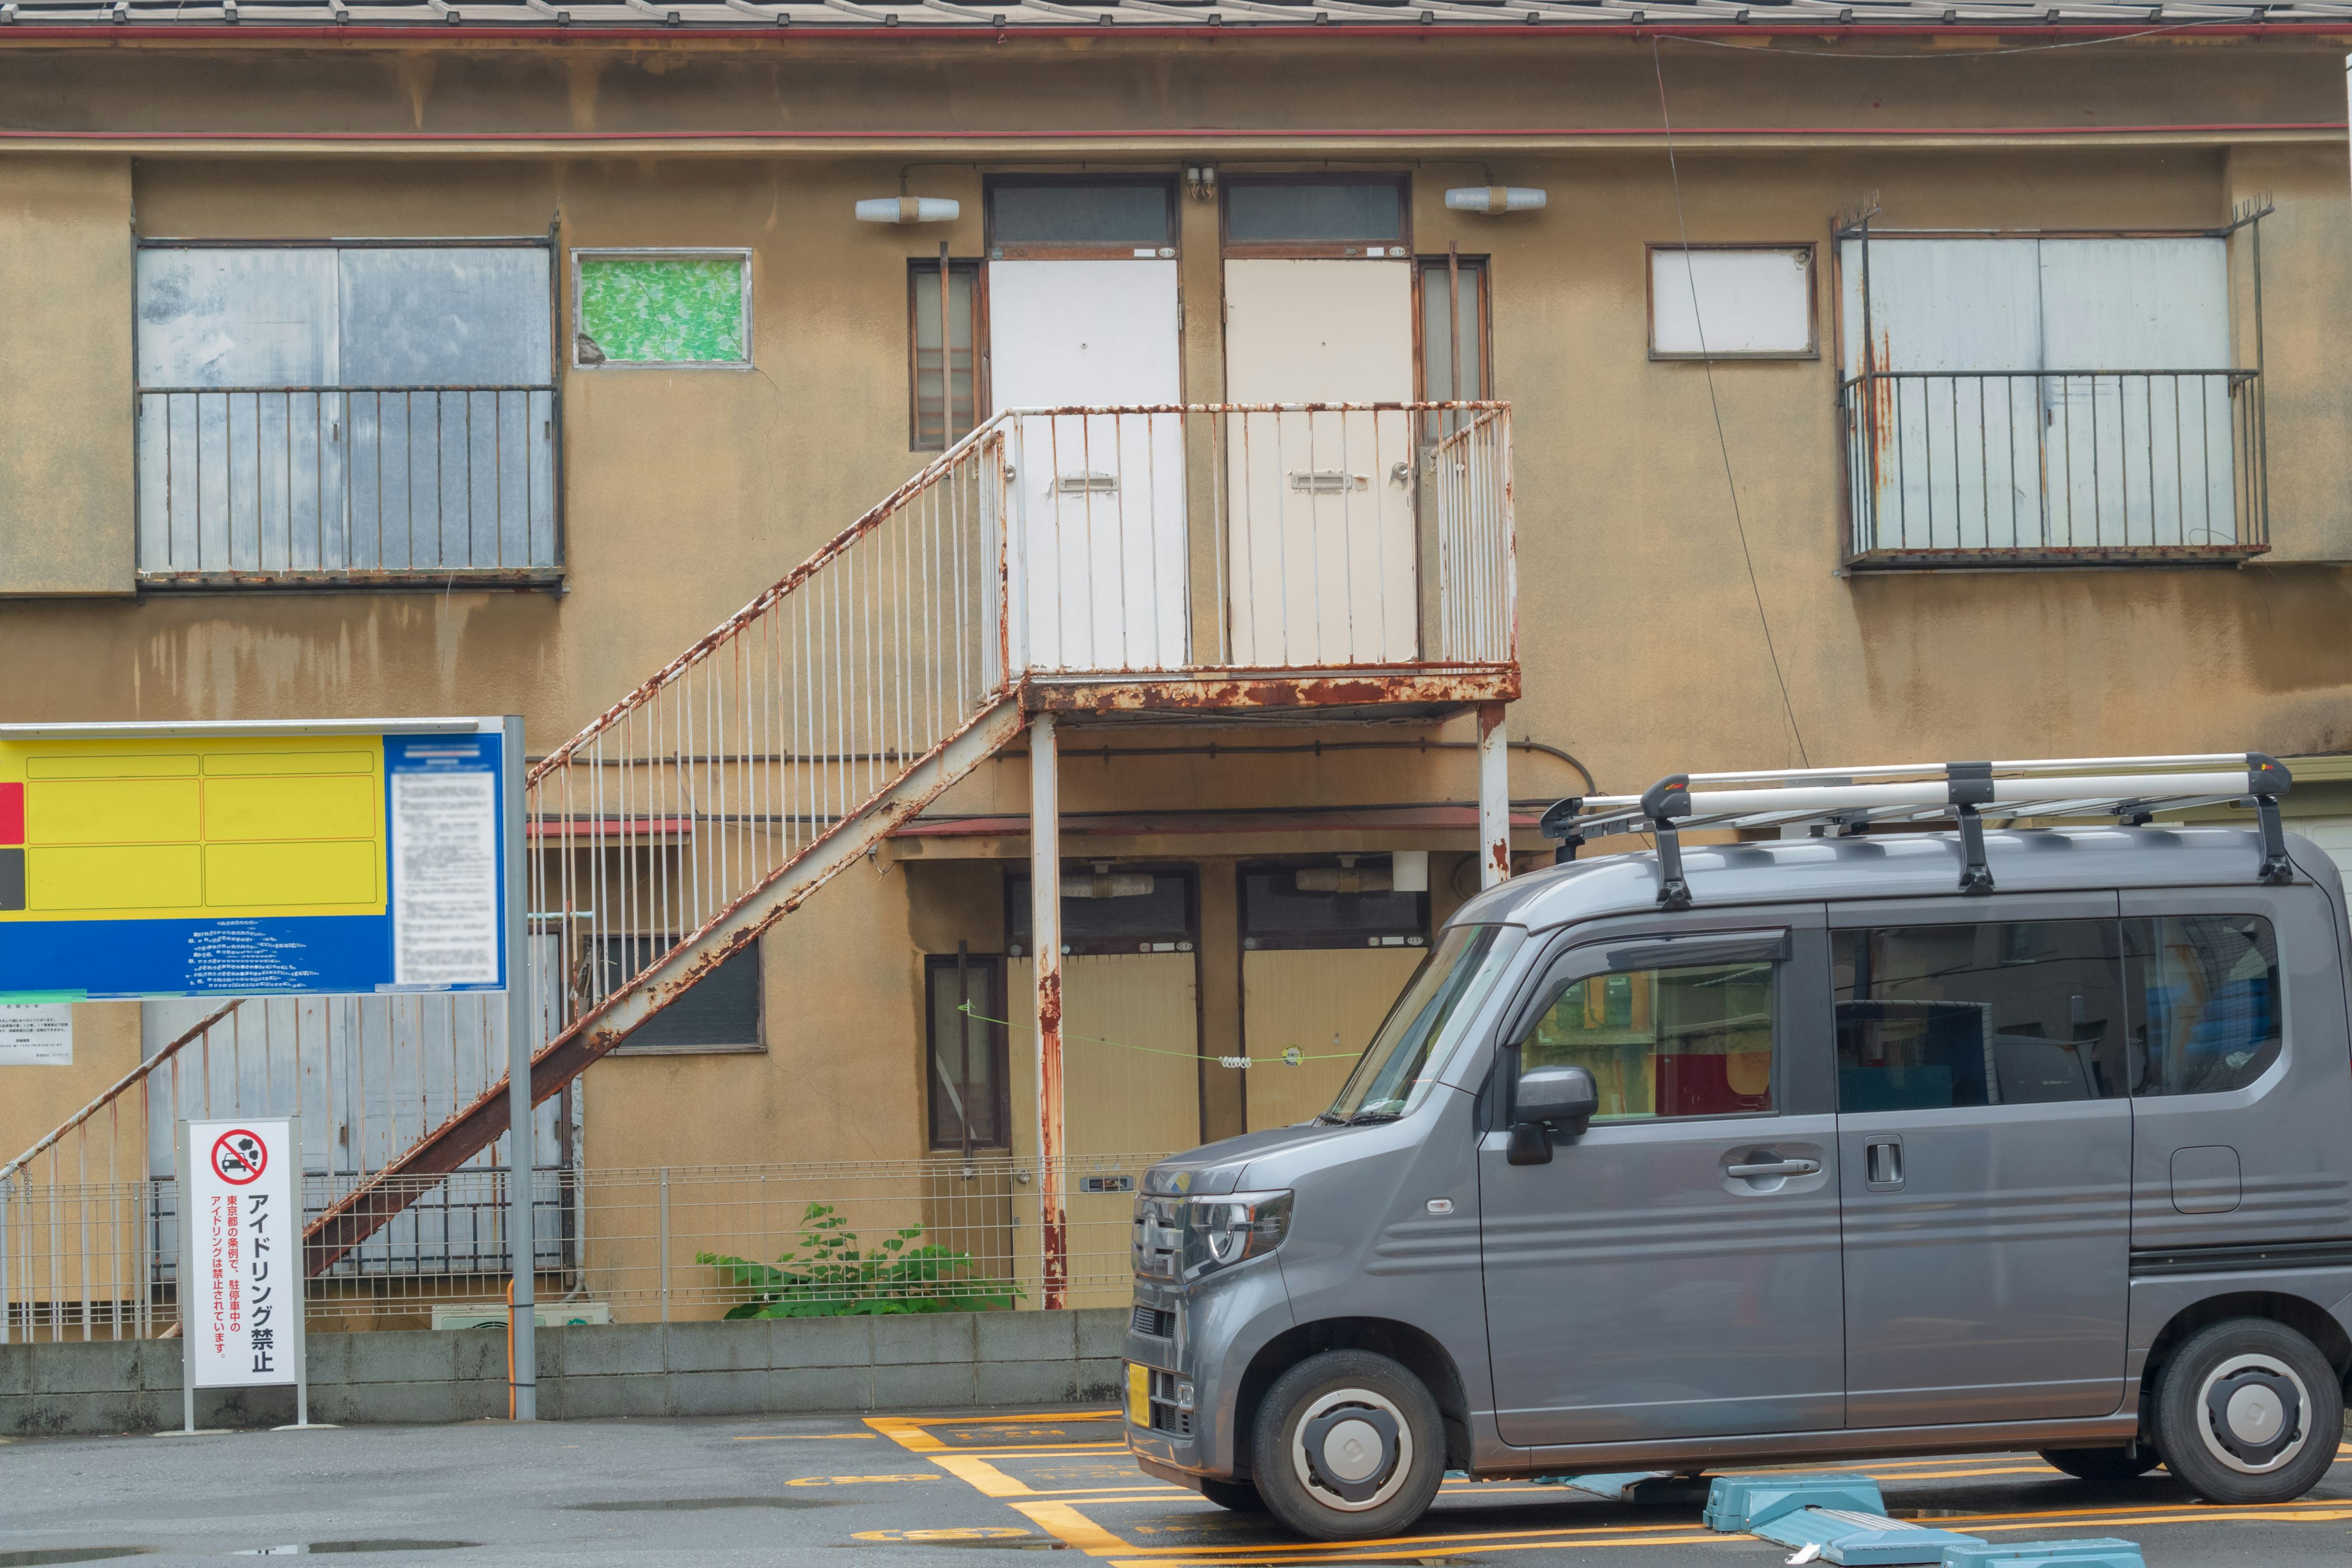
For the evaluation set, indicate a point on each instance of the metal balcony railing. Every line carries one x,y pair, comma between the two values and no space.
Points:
256,485
2054,466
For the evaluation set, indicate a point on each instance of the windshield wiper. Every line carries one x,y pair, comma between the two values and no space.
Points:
1366,1118
1326,1120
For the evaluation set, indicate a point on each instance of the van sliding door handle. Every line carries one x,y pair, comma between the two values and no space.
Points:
1779,1168
1883,1165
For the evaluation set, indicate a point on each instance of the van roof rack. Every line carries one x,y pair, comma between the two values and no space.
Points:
2130,790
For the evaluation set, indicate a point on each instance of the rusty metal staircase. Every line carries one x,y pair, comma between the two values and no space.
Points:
1008,574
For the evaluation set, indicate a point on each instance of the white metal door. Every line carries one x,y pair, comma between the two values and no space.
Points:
1097,501
1322,566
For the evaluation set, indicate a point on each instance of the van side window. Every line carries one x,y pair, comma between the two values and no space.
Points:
2001,1013
2205,990
1693,1041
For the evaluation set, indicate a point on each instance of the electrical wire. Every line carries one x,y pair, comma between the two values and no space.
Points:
1707,362
1289,1058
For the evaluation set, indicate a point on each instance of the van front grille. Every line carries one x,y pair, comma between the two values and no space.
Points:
1152,1321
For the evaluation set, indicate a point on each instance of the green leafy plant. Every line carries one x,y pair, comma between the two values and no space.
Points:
828,1275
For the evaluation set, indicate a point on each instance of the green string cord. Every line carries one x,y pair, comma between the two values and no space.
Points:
1291,1057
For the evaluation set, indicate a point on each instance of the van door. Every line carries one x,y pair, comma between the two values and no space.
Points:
1674,1272
1986,1134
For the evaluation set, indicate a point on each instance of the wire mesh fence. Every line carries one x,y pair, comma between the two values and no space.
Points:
100,1260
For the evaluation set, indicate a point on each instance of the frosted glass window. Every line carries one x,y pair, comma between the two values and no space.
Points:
1726,303
677,310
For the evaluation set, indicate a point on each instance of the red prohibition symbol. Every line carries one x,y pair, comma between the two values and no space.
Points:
238,1157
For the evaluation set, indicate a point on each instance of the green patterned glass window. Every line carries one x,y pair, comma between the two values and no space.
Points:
674,309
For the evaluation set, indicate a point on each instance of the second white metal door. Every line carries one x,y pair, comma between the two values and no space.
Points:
1322,563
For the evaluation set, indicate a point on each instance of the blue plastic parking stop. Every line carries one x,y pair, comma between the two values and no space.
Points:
1737,1504
2103,1554
1859,1540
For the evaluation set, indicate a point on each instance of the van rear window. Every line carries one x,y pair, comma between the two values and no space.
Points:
2208,989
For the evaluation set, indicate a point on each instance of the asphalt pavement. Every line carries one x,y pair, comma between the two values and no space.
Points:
959,1488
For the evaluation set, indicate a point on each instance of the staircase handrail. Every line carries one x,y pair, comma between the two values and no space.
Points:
121,1086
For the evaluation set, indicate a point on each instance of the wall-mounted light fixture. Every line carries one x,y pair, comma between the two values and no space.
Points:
1494,199
910,209
1200,181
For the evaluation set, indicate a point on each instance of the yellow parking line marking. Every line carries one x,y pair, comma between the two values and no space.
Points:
810,1438
979,1474
1072,1528
911,1432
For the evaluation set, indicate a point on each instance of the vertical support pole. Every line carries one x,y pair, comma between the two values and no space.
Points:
663,1242
523,1381
1045,931
1494,796
301,1324
183,1287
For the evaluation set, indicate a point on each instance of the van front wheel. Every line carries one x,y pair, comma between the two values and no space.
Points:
2248,1411
1348,1445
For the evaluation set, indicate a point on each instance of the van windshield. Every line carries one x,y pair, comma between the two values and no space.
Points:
1426,1022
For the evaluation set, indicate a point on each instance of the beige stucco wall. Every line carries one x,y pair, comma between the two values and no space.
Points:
65,375
1642,636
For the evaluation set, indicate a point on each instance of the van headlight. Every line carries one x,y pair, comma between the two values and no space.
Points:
1233,1227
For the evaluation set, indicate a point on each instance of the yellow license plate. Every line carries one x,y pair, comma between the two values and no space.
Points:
1139,1394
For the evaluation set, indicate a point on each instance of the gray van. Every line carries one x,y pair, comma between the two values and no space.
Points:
1840,1145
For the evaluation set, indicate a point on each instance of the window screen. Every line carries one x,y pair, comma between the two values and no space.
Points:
967,1051
1723,302
677,310
1117,909
1694,1041
720,1012
1080,213
1329,905
2002,1013
1308,214
2207,989
945,393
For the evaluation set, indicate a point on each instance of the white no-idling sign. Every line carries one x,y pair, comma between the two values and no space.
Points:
241,1252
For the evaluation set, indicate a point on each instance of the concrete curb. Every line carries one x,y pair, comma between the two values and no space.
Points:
763,1366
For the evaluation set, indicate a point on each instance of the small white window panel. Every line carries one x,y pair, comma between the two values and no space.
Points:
1721,301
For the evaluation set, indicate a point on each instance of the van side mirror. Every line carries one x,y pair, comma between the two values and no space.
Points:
1564,1097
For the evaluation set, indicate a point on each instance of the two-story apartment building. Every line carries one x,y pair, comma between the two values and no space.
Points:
1884,382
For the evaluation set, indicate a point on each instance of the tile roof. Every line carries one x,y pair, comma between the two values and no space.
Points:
736,16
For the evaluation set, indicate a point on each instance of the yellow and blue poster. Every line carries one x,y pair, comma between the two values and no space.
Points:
139,860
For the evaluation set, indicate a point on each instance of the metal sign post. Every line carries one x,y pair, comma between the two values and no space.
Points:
523,1390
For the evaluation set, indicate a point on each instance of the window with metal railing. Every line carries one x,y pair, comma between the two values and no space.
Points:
347,411
2045,399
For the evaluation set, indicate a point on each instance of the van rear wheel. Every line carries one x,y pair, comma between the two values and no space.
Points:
2248,1411
2126,1463
1348,1445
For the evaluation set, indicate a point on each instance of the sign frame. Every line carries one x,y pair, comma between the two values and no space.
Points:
213,908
